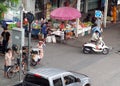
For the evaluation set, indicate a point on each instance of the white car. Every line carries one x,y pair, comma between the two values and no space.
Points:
54,77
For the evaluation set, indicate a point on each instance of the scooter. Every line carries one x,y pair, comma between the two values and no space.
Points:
35,56
93,48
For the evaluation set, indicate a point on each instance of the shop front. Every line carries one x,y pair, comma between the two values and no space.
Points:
66,22
84,28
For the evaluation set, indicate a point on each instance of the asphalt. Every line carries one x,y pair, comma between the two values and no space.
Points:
75,42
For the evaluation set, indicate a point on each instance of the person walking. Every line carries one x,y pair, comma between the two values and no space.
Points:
5,35
114,14
44,30
8,60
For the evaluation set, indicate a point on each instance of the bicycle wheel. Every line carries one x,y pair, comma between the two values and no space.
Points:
11,72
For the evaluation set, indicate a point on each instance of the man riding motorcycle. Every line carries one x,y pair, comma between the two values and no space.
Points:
96,39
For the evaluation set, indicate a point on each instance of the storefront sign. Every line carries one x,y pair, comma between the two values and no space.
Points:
98,14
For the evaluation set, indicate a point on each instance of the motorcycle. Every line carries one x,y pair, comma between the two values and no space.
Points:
93,48
35,56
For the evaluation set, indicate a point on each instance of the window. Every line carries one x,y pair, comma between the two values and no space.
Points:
69,79
57,82
38,80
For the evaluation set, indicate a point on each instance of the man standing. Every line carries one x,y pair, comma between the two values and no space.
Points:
44,30
5,39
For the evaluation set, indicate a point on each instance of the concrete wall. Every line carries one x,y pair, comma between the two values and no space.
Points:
29,5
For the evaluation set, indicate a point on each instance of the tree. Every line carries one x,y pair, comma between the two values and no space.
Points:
4,7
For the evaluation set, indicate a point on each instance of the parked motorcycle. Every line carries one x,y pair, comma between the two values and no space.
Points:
93,48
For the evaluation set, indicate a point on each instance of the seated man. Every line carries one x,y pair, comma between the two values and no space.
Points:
95,37
100,43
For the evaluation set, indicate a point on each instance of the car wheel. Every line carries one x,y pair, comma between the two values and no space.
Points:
87,85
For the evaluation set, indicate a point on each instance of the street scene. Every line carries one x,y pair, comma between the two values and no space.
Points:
70,35
102,69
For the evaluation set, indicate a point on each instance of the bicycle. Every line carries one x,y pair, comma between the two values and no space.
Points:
13,70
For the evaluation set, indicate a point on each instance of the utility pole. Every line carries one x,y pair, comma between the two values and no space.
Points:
105,13
77,24
20,47
30,18
29,44
86,6
30,8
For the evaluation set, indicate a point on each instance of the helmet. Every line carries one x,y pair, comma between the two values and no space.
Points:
14,47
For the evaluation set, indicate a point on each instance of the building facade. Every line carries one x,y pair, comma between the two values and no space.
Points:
42,8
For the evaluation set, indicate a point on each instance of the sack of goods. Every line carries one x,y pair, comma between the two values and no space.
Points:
51,38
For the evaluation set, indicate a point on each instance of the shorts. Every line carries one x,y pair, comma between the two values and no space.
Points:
18,61
6,68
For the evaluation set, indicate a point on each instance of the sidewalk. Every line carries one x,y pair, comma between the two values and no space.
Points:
75,42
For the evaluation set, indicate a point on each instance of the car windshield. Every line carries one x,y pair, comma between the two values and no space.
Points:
38,80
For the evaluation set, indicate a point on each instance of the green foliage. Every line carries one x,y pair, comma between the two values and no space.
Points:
1,1
4,8
14,1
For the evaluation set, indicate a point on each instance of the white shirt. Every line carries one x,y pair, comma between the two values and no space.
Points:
95,36
8,59
98,22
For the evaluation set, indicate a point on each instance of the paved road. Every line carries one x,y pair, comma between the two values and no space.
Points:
102,69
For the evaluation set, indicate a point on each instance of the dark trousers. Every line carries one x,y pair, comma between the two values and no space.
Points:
5,45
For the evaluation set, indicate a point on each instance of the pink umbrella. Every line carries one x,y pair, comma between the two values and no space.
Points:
65,13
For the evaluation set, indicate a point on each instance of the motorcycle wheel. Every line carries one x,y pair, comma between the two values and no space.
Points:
105,51
85,50
33,63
